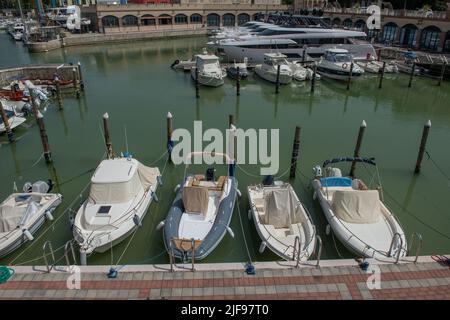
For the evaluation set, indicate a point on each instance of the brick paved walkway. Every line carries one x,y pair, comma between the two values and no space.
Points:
427,280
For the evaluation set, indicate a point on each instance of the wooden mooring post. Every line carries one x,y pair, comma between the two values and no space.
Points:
109,148
277,83
411,75
58,94
197,88
422,148
362,128
80,76
441,77
295,148
380,84
76,86
230,120
238,82
5,120
44,137
313,80
350,76
169,135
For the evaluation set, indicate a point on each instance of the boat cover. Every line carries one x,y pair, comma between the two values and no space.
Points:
119,192
281,207
10,217
357,206
195,199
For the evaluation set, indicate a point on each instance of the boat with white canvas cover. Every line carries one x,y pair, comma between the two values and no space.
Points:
210,73
121,192
282,221
356,214
269,68
22,214
336,64
14,120
201,211
374,66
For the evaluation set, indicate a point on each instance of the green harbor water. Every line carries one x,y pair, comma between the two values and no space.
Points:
135,85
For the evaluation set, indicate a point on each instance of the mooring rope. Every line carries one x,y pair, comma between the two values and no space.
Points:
437,166
242,229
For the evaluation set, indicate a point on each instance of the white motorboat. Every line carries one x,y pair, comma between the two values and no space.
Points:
282,221
336,64
22,214
269,68
18,35
355,213
232,70
210,72
14,120
374,66
120,194
186,65
299,72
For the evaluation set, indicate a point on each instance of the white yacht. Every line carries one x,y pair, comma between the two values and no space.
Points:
336,64
210,72
294,42
269,68
120,194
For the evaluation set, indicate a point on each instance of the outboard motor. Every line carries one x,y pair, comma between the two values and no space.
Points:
268,180
210,174
42,186
317,170
26,109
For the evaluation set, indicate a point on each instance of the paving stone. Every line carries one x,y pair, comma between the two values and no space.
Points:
291,289
423,282
281,288
198,275
148,276
228,274
366,295
332,287
186,292
188,275
91,294
250,290
260,290
342,287
158,275
267,273
208,291
219,291
138,276
208,274
302,289
346,295
441,281
229,291
197,292
270,290
133,294
166,292
322,288
413,283
155,293
177,292
218,275
433,282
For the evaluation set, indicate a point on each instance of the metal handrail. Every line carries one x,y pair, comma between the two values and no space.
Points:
318,249
419,246
69,245
171,255
192,241
296,252
392,244
44,247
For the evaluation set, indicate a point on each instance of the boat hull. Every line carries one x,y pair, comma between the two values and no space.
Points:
272,77
337,74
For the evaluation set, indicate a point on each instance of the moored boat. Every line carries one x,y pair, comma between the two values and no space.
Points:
336,64
268,70
209,71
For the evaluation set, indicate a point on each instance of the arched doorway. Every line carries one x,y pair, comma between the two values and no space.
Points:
446,46
148,20
129,21
408,35
110,22
181,19
389,32
429,38
336,22
347,23
213,20
229,20
196,18
164,19
360,25
243,18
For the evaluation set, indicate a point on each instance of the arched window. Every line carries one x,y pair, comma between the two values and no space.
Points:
336,22
196,18
129,21
446,46
348,23
213,20
360,25
180,19
243,18
408,35
110,21
228,20
165,19
429,38
148,20
389,32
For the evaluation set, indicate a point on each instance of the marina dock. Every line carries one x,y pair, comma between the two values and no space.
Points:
334,280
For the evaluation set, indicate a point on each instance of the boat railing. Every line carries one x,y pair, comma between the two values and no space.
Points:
172,255
69,246
48,245
297,250
417,236
399,251
318,250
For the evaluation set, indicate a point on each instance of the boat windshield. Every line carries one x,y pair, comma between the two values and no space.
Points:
338,57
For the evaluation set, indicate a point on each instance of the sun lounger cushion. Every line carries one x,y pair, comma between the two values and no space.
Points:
195,199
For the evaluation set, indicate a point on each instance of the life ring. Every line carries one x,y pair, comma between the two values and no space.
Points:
344,65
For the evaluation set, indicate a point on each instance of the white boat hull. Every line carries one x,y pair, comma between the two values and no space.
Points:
285,78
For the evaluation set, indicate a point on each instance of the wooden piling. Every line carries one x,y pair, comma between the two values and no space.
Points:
380,85
362,128
238,83
80,76
44,137
313,80
303,56
109,148
423,142
169,135
350,76
58,94
5,119
75,83
441,77
277,84
230,120
295,148
197,88
411,75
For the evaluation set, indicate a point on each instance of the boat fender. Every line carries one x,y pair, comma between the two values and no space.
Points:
230,232
327,230
159,180
155,197
249,214
364,265
262,247
28,234
48,215
137,221
344,65
250,269
71,222
161,225
177,188
112,274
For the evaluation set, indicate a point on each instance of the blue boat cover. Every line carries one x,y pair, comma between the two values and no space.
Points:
336,182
